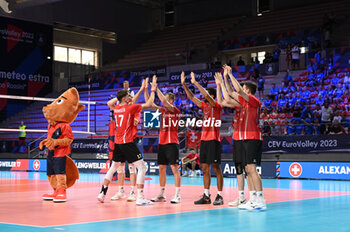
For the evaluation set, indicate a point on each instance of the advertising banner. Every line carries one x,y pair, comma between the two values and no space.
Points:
315,170
25,62
306,144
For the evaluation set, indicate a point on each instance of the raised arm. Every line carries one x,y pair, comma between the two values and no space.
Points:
138,94
166,104
227,101
202,90
146,95
236,84
149,103
188,92
111,103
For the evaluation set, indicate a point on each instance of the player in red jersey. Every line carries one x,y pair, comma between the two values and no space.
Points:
232,103
210,152
168,150
121,168
248,141
125,148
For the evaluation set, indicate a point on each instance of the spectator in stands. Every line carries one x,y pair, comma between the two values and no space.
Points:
291,101
319,77
126,87
282,103
290,129
308,127
274,90
267,101
306,94
307,112
326,115
190,162
319,100
335,80
336,128
240,61
22,133
345,122
252,62
266,130
295,56
291,87
299,127
261,83
337,116
318,127
287,78
275,131
276,53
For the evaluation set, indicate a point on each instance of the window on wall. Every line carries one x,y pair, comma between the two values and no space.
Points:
74,55
260,55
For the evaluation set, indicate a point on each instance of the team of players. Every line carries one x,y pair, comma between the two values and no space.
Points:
246,146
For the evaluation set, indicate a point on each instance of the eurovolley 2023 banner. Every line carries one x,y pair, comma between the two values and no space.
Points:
25,62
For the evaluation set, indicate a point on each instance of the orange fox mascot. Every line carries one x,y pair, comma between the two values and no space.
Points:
61,170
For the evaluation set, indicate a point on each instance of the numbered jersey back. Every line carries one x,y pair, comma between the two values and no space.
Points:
124,120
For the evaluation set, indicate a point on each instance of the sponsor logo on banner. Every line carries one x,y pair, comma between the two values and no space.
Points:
21,164
315,170
230,168
36,165
295,169
151,119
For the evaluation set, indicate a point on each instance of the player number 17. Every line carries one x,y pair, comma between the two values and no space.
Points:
121,119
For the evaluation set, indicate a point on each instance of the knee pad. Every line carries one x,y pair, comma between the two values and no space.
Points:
132,169
112,170
121,168
239,168
141,171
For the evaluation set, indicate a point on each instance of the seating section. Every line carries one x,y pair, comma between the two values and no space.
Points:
286,26
172,45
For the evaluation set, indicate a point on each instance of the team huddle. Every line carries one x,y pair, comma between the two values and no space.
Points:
247,140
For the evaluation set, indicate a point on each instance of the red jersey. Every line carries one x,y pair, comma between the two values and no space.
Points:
60,131
213,113
169,126
248,126
236,122
124,116
190,156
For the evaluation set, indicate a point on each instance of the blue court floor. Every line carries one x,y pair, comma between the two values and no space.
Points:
328,213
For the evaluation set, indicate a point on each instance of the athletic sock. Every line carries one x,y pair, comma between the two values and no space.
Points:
241,193
260,195
162,190
206,192
132,189
177,191
252,195
121,189
140,193
219,193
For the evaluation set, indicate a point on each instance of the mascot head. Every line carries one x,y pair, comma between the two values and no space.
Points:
64,109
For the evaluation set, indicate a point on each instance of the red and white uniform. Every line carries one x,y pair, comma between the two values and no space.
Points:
60,131
249,119
169,126
236,122
124,116
213,113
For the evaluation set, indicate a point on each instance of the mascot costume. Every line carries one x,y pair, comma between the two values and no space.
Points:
61,170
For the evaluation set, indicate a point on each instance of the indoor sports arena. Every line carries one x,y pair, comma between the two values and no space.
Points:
174,115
